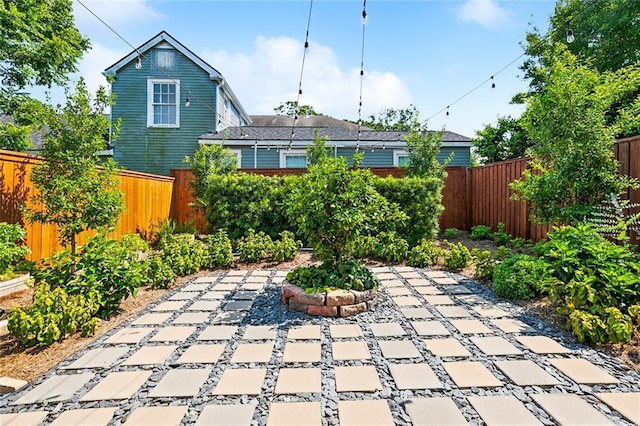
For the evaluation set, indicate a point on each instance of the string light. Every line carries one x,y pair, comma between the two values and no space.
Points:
493,83
138,62
570,36
364,26
187,102
304,56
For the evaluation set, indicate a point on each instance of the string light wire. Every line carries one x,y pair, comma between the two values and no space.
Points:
364,26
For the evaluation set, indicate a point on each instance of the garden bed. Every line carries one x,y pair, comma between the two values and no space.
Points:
342,303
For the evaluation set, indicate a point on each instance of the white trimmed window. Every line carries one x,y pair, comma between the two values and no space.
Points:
294,158
401,158
238,155
163,103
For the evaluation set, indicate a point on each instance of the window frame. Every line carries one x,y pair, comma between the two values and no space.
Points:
238,154
292,153
150,104
397,155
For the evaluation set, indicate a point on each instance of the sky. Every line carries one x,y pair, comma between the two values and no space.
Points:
427,53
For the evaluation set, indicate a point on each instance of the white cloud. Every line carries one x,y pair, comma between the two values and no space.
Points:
117,13
484,12
270,75
94,62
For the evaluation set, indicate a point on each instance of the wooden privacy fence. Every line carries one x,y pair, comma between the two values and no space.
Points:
147,201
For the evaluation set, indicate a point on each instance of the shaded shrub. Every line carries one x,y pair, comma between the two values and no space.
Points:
347,275
480,232
11,250
159,273
255,247
219,249
484,262
184,254
425,254
391,247
457,256
286,248
520,277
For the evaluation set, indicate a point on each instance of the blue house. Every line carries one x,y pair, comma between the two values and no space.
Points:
273,141
166,97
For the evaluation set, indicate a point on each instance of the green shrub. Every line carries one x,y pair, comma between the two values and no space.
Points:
134,242
485,263
184,254
364,247
458,256
11,251
159,273
255,247
480,232
424,254
450,233
219,249
500,237
53,316
520,277
347,275
391,247
286,248
518,243
503,252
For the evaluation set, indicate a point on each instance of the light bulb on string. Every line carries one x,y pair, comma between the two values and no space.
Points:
493,83
447,110
571,37
138,62
187,102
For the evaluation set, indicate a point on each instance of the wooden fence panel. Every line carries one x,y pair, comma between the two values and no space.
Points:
147,201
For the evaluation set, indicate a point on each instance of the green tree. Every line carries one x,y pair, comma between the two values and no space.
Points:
572,160
399,120
423,148
72,192
207,162
503,141
318,152
292,108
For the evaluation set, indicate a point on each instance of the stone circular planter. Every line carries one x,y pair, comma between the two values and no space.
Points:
342,303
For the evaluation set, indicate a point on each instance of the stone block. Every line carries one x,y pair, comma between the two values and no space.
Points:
311,298
371,303
347,311
289,291
340,298
297,306
325,311
363,296
8,385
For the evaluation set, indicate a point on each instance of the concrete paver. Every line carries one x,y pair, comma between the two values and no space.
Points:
470,326
416,313
446,347
84,416
389,329
180,382
467,374
542,345
129,335
526,373
152,319
359,413
97,358
428,291
192,318
571,410
298,380
436,411
350,350
582,371
304,332
439,300
150,355
495,345
357,379
218,332
56,388
260,332
414,376
201,354
512,326
204,305
252,352
407,301
453,311
627,404
339,331
226,415
302,352
157,416
118,385
170,305
399,349
294,414
172,334
430,328
31,418
503,410
240,381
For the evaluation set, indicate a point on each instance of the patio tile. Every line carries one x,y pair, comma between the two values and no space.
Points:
299,380
392,283
627,404
192,318
429,328
407,301
446,347
467,374
170,306
473,299
180,382
255,286
244,295
173,334
184,295
414,376
542,345
257,279
253,352
226,415
97,358
308,332
129,335
216,295
209,279
457,289
240,381
350,350
56,388
439,300
417,282
282,272
204,305
435,274
236,273
150,355
404,268
359,413
260,332
230,317
261,273
495,345
195,287
294,414
229,280
153,318
410,274
157,416
526,373
570,410
340,331
201,354
490,311
32,418
512,326
415,313
453,311
218,332
380,269
503,410
357,379
435,411
387,329
238,305
86,416
399,349
428,290
386,276
470,327
118,385
302,352
582,371
444,280
398,291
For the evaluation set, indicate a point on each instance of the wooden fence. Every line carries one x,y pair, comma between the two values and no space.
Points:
147,200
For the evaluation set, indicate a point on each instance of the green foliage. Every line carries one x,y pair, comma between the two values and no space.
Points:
391,247
423,148
293,109
484,262
54,315
14,137
399,120
25,117
504,141
612,219
425,254
318,152
520,277
72,193
347,275
518,242
458,256
503,252
134,242
219,248
184,254
207,162
334,206
11,250
450,233
481,232
159,273
596,282
255,247
286,248
500,237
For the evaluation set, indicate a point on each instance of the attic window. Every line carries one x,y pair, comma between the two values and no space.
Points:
166,59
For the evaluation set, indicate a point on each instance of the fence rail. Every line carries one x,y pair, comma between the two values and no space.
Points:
147,201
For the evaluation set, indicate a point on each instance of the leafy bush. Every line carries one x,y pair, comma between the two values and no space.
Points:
364,247
219,249
457,257
54,315
286,248
450,233
159,273
518,243
480,232
184,254
520,277
485,263
500,237
134,242
10,249
255,247
391,247
347,275
597,283
425,254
